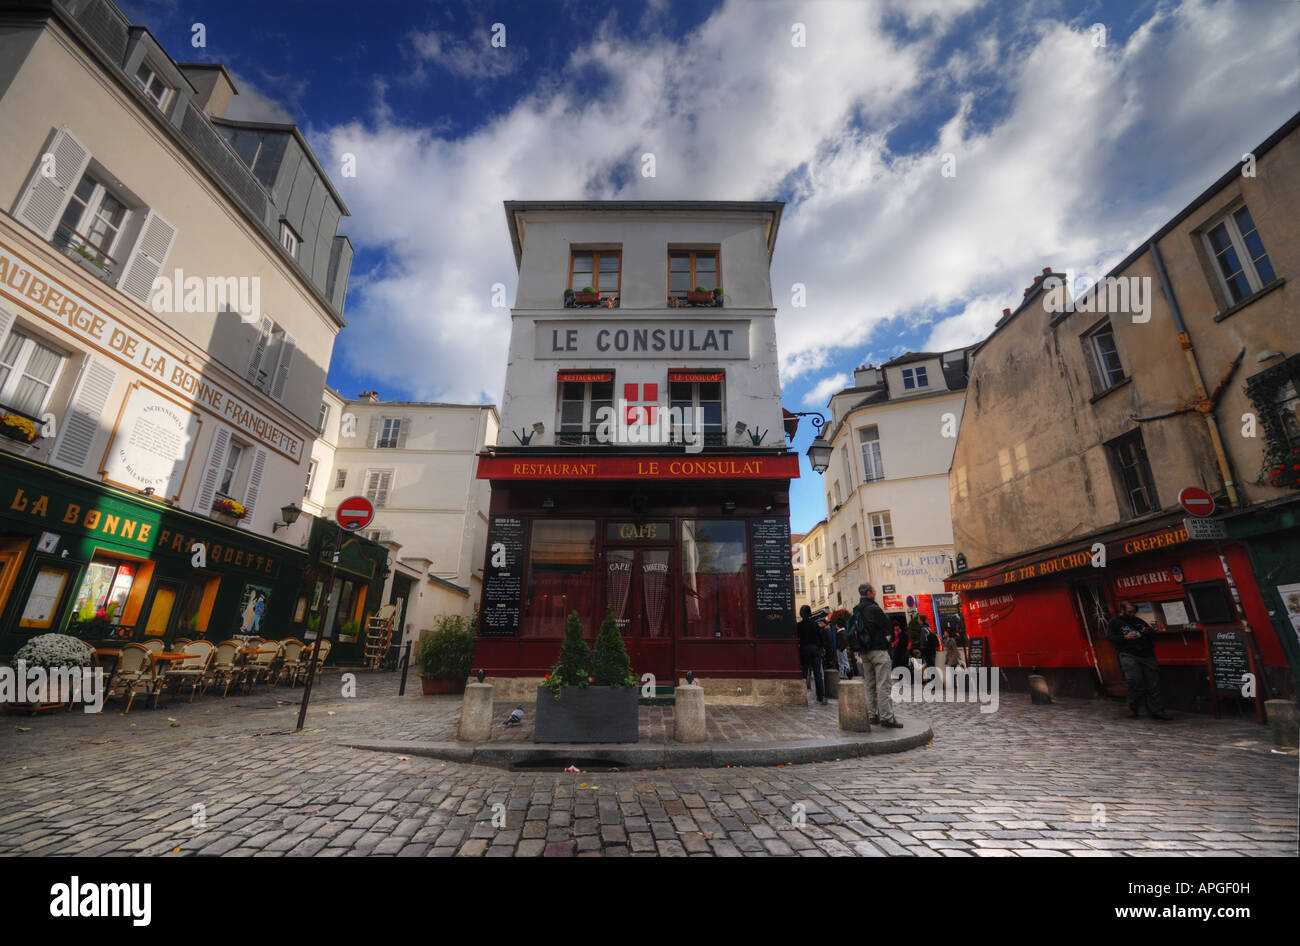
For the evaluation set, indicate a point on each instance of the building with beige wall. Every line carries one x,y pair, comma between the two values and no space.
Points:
1088,413
173,283
812,575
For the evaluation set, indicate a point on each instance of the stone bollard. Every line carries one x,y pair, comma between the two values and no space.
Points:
1039,694
688,714
476,713
832,684
853,706
1284,720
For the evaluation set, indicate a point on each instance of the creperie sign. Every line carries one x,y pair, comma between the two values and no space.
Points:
46,297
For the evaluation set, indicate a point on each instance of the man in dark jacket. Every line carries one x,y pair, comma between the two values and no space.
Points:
930,642
1135,642
875,643
811,639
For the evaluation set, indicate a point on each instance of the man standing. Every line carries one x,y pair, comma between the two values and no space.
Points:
811,639
1134,641
873,632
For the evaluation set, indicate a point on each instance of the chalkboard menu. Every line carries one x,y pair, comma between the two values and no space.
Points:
773,578
979,652
503,577
1229,661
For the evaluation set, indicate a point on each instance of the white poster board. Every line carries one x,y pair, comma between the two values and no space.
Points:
151,444
1290,595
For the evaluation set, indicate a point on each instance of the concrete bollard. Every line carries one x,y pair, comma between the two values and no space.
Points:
853,706
832,684
1039,694
476,713
1284,720
688,714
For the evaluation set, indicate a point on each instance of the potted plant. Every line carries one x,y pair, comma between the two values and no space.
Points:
52,652
348,632
586,697
717,296
228,510
446,656
17,427
587,296
313,627
568,298
699,296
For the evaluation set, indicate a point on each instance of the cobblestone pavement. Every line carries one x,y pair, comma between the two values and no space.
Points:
1074,778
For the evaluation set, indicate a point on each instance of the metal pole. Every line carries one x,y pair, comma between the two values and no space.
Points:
406,663
320,636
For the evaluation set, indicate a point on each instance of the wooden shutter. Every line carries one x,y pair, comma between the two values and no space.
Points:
376,426
86,410
259,349
147,258
287,348
44,198
212,472
402,431
254,483
6,323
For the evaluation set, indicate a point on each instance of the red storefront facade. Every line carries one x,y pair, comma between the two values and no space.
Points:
690,551
1046,612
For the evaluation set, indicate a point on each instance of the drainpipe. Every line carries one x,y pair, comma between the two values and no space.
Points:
1203,400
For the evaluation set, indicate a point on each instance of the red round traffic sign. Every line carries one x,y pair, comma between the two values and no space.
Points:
1196,501
354,513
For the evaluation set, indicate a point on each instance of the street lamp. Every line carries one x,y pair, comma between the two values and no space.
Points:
819,452
289,514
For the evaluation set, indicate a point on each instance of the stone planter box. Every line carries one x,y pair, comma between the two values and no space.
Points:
587,714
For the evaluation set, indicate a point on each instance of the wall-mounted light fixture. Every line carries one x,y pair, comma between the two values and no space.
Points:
548,502
289,514
741,427
819,453
539,428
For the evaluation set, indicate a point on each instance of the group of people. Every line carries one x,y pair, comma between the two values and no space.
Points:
866,638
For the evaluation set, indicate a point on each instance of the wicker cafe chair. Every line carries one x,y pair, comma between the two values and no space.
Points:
155,645
320,661
134,673
180,642
291,664
94,662
225,668
192,670
259,666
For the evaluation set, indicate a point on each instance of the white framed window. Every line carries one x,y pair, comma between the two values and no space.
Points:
92,221
580,403
914,378
835,556
272,358
838,498
311,477
289,240
340,479
799,585
821,587
1100,343
882,530
857,545
390,433
324,418
226,483
873,467
378,485
818,547
844,546
701,401
28,371
152,85
1235,246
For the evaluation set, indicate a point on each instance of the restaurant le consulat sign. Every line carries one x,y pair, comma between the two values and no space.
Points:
44,296
780,467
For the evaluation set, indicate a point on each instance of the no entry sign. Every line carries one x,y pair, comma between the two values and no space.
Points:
355,513
1196,501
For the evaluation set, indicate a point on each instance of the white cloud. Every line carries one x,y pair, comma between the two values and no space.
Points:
254,105
820,393
473,58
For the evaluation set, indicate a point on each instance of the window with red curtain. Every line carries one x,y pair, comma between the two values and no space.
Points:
715,578
561,576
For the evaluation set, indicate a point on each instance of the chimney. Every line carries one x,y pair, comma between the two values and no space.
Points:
213,87
865,376
371,396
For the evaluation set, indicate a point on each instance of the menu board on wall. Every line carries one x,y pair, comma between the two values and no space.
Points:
773,578
503,577
979,652
1229,662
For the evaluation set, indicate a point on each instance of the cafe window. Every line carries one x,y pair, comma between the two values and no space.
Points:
196,603
1211,603
715,578
43,600
689,270
561,576
581,402
697,406
599,269
104,591
28,370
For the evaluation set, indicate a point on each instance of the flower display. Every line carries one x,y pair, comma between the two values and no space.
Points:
17,428
230,507
52,651
1286,471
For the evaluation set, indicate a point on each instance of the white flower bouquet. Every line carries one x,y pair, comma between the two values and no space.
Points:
53,651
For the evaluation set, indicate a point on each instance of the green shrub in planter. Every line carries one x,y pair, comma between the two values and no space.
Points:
448,653
574,666
613,669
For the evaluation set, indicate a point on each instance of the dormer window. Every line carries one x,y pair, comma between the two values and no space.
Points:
152,85
914,378
289,240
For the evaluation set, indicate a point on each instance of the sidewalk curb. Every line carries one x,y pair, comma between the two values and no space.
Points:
670,755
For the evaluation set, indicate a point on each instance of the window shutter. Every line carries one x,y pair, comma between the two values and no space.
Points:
259,349
6,323
147,258
212,472
372,438
81,421
44,198
402,431
254,483
287,348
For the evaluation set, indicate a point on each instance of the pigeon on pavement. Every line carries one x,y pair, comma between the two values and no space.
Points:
516,716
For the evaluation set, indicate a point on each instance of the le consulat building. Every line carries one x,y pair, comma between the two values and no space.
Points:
641,464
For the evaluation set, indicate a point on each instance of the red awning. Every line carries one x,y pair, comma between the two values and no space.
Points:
695,375
585,376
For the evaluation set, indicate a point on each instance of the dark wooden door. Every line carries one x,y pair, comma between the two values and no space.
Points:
1091,602
638,587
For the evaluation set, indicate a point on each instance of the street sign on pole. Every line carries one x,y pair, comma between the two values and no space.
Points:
1205,529
1196,502
355,513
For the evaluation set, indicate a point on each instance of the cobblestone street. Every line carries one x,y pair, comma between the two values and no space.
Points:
1074,778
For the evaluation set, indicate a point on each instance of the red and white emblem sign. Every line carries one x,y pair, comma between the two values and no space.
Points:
1196,501
355,513
642,403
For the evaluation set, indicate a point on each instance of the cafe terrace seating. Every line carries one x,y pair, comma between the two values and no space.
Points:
226,668
133,674
192,671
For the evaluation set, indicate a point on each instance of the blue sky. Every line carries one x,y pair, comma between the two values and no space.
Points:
1075,128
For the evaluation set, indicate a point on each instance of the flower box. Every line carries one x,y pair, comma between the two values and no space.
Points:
587,714
699,298
586,298
19,428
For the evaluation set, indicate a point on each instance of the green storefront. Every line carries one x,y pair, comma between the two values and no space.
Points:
1271,535
104,564
357,593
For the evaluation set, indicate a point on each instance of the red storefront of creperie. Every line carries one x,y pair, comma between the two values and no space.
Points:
1046,613
690,551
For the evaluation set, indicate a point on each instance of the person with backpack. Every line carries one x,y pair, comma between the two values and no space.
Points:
869,627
